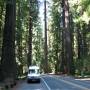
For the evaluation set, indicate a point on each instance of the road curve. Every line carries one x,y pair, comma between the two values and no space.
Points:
49,82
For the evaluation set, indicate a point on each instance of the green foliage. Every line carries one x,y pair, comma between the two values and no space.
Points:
37,44
86,6
54,46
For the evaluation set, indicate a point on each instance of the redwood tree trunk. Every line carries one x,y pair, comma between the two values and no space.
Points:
67,56
30,43
8,49
1,27
1,32
19,36
30,35
68,42
63,59
45,45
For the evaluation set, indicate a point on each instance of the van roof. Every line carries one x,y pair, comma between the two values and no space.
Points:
33,67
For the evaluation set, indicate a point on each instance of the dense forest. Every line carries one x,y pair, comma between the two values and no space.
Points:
60,45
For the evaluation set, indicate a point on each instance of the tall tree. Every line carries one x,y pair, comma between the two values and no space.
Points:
30,35
2,8
68,42
56,32
33,12
45,44
2,15
63,60
19,35
8,48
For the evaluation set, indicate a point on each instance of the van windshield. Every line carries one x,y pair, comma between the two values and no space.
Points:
38,71
32,71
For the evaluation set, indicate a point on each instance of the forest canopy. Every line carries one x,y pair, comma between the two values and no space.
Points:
59,44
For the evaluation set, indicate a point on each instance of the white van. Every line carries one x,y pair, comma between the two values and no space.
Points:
33,74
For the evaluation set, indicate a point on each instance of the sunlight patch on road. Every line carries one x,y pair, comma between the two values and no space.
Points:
83,79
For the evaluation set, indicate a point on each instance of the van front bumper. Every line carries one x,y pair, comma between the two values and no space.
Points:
33,79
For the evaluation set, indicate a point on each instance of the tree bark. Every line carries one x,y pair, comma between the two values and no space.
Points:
1,32
67,56
19,36
45,45
8,49
30,35
63,60
1,27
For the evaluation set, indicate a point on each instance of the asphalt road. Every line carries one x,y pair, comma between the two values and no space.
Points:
50,82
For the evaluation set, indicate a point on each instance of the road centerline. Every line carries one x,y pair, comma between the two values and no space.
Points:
46,84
